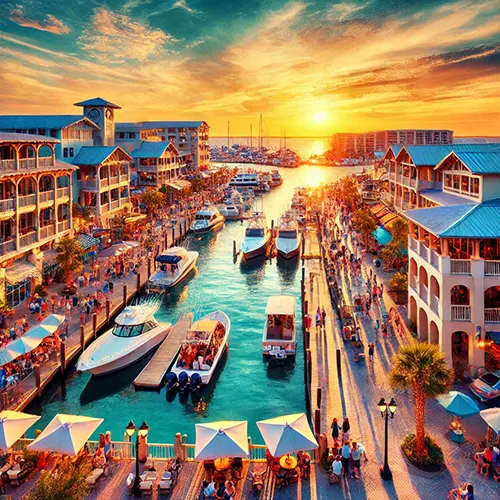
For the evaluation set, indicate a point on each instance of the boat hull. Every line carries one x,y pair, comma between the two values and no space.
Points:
152,285
288,253
212,227
257,252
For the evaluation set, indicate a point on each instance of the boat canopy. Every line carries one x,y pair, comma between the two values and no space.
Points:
135,315
202,330
168,259
281,304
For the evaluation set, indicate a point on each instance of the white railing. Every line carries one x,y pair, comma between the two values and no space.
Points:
25,201
62,226
413,183
423,185
492,267
424,252
406,205
27,163
7,165
147,168
435,259
89,184
413,282
423,292
27,239
7,205
460,266
460,313
413,243
47,231
114,204
113,180
62,192
406,181
492,315
392,176
104,182
46,196
7,246
46,161
435,304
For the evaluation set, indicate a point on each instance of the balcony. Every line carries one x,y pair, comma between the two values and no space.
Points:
492,267
435,260
45,196
104,182
113,180
424,252
7,246
423,185
406,181
26,201
63,192
27,239
412,243
47,231
413,282
459,266
7,165
460,313
492,315
413,183
62,226
387,198
6,205
27,163
89,184
435,304
46,162
114,204
424,293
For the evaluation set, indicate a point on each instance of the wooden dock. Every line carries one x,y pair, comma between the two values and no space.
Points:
153,373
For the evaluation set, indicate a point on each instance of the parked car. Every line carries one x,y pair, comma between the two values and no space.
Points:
487,387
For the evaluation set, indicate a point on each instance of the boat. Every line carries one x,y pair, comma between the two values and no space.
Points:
207,219
245,179
257,237
276,179
299,199
175,264
289,238
230,212
135,334
278,340
202,348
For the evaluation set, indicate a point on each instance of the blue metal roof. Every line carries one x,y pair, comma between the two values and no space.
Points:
480,162
444,198
161,124
27,122
15,137
95,155
97,101
149,149
460,221
394,148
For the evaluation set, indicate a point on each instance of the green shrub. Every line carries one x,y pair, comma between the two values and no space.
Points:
433,457
399,283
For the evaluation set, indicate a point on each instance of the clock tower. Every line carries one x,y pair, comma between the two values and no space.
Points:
102,113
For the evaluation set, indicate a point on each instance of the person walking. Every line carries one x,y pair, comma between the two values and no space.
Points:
356,460
318,319
346,456
346,427
323,316
371,350
335,431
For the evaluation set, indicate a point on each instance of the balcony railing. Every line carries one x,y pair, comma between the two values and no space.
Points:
104,182
492,267
387,198
460,313
6,205
7,165
27,163
47,161
413,282
424,252
47,231
424,184
413,183
7,246
62,226
25,201
114,204
435,259
113,180
392,176
435,304
46,196
62,192
492,315
89,184
27,239
424,293
413,243
406,181
460,266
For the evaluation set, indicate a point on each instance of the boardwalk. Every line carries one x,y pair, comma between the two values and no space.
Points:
153,373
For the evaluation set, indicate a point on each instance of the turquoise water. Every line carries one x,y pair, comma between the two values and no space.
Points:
383,236
245,389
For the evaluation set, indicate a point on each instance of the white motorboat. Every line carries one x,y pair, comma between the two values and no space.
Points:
245,179
203,347
278,340
276,179
289,238
135,334
174,264
257,237
299,199
207,219
230,212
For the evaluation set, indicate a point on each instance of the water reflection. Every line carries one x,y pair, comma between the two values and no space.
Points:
287,270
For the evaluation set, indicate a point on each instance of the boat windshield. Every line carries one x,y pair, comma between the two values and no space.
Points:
132,330
288,234
255,231
203,216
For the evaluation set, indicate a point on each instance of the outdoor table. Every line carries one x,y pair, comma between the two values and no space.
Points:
221,464
288,462
457,436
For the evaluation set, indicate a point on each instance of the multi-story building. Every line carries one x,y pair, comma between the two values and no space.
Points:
35,210
190,138
454,261
369,142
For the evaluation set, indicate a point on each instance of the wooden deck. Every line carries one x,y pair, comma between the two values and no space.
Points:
153,373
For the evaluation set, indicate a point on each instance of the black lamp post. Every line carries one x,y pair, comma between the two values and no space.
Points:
387,410
143,432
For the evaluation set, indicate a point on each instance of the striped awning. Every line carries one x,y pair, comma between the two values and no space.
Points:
86,241
20,271
49,260
388,219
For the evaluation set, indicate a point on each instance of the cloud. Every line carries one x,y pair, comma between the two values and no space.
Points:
51,24
119,38
343,10
195,43
182,4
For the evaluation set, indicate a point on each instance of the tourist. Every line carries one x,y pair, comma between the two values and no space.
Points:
108,446
336,475
323,316
304,463
219,494
356,460
346,456
346,427
318,319
464,493
230,491
371,350
209,490
335,430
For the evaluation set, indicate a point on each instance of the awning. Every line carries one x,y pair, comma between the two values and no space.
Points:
179,184
86,241
495,337
49,260
388,218
20,271
134,218
168,259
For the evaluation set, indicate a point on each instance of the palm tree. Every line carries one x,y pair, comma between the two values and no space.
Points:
422,367
399,231
363,221
69,257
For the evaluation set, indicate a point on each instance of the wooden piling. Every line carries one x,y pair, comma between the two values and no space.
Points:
82,337
94,325
173,235
149,268
38,380
125,295
339,365
317,421
318,397
307,339
166,240
63,356
138,285
108,310
234,250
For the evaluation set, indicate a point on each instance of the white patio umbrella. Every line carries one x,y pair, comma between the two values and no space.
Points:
132,244
23,345
40,332
492,417
53,320
66,434
287,434
221,439
13,424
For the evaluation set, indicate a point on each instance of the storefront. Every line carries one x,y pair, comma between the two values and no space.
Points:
20,282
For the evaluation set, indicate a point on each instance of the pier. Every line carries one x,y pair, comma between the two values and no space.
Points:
154,372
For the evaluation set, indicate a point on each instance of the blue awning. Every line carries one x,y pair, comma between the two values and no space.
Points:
495,336
168,259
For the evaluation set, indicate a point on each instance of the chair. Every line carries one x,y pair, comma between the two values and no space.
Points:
12,474
166,482
94,477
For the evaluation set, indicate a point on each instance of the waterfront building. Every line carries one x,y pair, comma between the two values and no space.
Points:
35,211
454,261
189,138
381,140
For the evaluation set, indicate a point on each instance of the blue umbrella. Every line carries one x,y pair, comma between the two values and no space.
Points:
458,404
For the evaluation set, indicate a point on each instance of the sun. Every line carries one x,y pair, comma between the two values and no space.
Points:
320,116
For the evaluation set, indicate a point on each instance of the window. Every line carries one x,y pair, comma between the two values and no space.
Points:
65,152
53,132
131,135
475,186
456,182
71,152
121,135
42,131
32,131
465,184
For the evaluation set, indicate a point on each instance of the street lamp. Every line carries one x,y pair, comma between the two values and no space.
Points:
387,410
142,432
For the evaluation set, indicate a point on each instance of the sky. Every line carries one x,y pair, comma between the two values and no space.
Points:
310,67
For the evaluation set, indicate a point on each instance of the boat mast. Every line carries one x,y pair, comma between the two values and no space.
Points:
228,122
285,138
250,135
260,131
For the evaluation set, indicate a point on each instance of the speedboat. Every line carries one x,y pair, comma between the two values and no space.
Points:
299,199
276,179
278,340
174,265
134,335
202,349
289,239
243,179
257,237
230,212
207,219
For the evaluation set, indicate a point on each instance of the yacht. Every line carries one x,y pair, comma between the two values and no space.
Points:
257,237
278,340
289,238
230,212
174,264
299,199
207,219
203,347
244,179
134,335
276,179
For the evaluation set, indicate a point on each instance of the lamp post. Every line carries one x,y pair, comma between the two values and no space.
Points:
387,410
142,432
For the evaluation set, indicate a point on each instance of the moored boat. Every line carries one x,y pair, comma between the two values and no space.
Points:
278,340
134,335
174,264
207,219
230,212
203,347
257,237
245,179
276,179
289,238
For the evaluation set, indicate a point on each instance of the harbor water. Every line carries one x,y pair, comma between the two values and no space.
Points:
245,388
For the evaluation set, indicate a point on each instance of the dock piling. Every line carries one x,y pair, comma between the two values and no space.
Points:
63,357
317,421
149,268
94,325
173,235
318,397
166,240
38,380
82,337
124,295
234,250
339,366
108,309
138,285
